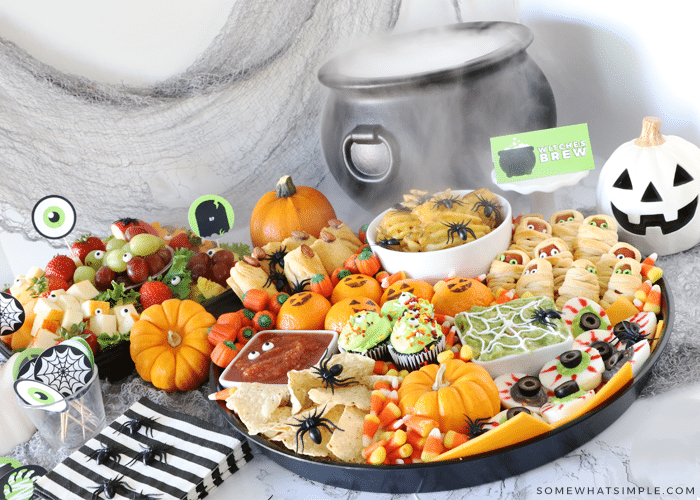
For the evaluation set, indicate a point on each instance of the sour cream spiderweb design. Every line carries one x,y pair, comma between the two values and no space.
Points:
66,370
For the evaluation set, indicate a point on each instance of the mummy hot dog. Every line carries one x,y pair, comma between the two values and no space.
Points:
584,366
519,390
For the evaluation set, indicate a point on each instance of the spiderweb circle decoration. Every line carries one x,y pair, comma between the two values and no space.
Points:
11,314
64,368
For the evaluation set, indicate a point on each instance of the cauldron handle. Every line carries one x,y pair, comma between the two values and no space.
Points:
372,139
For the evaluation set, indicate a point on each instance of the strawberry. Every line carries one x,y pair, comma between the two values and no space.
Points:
86,244
61,266
154,292
119,227
43,286
132,231
180,240
80,330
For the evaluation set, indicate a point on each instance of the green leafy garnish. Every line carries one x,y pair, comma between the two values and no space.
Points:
240,249
106,340
118,295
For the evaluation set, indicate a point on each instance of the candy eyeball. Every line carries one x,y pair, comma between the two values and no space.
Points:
253,355
175,280
267,346
98,311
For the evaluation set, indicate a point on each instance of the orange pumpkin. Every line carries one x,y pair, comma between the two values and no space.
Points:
289,208
169,345
449,393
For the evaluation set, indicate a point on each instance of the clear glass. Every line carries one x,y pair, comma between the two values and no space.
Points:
82,419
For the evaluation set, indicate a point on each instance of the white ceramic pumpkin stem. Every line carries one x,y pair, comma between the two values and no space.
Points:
651,133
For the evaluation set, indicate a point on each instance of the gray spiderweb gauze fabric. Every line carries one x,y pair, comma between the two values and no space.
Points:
245,113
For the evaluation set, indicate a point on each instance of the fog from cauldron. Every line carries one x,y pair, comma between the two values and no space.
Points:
437,137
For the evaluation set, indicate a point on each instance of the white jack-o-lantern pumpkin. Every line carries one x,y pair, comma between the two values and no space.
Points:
650,186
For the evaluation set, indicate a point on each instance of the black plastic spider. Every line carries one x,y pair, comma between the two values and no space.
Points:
277,257
132,427
389,242
105,454
111,487
629,333
329,376
299,286
277,279
401,208
543,316
460,229
311,426
149,454
490,208
475,427
448,202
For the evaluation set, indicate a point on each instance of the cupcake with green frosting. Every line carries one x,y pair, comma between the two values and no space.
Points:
366,333
395,308
415,340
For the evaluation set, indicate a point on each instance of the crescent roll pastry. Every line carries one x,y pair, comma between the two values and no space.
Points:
596,235
556,251
624,282
529,233
247,274
537,279
608,260
580,280
565,224
343,233
505,270
300,265
332,251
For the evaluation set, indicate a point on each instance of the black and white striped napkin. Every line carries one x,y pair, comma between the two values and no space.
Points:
198,456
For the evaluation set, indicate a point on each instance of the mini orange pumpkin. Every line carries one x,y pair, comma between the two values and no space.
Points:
449,393
169,345
289,208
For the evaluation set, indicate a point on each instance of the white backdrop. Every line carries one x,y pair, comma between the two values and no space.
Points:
609,63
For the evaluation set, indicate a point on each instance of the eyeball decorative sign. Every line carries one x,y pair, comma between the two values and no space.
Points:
53,217
210,217
651,186
542,153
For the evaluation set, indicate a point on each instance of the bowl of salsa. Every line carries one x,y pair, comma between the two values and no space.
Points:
270,354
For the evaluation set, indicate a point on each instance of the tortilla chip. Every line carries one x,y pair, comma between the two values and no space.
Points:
255,403
347,445
299,384
356,367
356,395
306,445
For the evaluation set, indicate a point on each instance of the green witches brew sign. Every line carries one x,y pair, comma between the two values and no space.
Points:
542,153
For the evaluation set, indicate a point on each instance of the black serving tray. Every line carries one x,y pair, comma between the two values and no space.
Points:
473,471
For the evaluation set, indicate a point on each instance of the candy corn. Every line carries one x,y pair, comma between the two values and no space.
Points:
389,414
377,401
377,457
643,291
369,428
395,440
433,446
453,439
368,450
653,302
420,424
400,453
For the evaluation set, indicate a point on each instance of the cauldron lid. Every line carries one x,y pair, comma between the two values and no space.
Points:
427,54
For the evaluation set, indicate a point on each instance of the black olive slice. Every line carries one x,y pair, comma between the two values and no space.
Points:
529,386
589,321
514,411
604,349
528,391
571,359
566,389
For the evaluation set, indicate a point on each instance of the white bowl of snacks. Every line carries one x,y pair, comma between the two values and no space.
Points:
471,248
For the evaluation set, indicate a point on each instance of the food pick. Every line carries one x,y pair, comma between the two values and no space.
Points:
12,314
